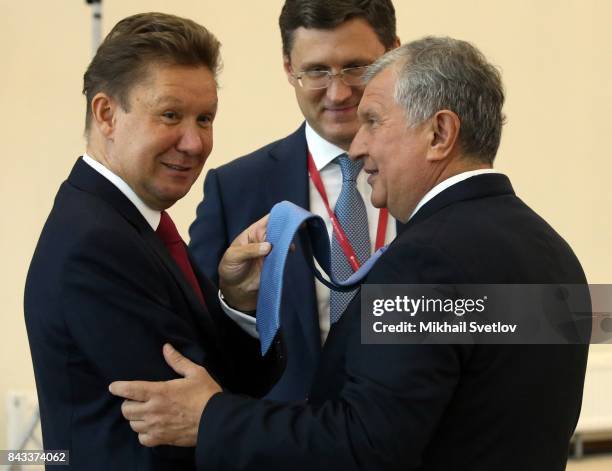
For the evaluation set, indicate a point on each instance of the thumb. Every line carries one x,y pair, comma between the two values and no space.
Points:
182,365
248,252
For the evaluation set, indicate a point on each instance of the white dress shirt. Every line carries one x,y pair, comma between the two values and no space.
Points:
440,187
151,215
323,153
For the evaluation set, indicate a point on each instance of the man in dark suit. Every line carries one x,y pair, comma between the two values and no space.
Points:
431,123
110,280
319,37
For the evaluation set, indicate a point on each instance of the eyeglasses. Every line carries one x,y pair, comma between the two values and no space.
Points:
319,79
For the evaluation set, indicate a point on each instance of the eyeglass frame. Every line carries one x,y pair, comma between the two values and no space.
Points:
330,76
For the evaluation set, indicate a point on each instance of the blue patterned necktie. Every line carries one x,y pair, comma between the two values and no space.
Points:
285,221
352,216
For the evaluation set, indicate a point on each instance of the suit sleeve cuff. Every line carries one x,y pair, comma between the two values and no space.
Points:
244,321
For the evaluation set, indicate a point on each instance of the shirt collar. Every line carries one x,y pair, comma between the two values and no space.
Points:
440,187
322,151
152,216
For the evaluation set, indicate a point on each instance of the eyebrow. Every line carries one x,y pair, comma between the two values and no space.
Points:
167,100
365,114
369,109
312,64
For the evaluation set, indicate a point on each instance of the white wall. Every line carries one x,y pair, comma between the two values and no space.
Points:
556,61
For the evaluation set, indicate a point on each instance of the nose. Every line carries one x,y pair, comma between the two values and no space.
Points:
338,91
192,140
358,148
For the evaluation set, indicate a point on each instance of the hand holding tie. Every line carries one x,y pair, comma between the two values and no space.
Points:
240,267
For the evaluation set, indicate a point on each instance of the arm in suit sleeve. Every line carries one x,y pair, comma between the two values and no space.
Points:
244,369
118,312
389,402
120,306
208,233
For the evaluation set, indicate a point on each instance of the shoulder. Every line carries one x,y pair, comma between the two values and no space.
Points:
496,239
261,159
82,222
415,260
438,249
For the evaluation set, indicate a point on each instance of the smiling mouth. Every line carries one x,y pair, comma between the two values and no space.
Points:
341,109
179,168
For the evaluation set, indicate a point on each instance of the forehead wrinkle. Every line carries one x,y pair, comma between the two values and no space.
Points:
166,99
372,99
171,100
352,41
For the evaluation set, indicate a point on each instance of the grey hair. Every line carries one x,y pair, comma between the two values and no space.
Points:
436,73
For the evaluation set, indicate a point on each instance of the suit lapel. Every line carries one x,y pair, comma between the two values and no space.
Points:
88,179
199,312
479,186
289,171
160,250
399,226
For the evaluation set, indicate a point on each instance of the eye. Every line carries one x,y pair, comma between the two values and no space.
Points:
170,116
356,71
206,119
315,73
370,120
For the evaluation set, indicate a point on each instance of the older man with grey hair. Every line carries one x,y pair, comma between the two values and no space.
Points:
431,120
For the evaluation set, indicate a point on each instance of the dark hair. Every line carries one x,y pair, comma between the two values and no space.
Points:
328,14
139,41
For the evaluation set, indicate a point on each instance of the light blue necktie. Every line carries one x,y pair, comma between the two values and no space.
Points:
284,222
352,216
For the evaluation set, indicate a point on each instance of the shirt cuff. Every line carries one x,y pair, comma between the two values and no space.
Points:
244,321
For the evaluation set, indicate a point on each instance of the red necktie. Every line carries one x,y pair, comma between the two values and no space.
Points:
172,240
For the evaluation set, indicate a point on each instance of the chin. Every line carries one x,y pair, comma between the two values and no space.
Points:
340,130
378,202
167,199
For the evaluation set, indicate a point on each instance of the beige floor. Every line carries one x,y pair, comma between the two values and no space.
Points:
591,463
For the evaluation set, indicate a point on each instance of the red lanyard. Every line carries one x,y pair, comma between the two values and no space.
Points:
347,248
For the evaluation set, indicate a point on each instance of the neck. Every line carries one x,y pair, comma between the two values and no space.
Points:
440,172
457,166
95,149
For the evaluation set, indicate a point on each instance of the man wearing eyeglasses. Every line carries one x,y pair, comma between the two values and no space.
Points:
327,46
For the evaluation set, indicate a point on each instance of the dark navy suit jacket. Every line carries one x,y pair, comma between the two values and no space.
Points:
427,407
238,194
102,296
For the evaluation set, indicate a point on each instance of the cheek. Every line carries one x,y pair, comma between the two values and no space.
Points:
393,170
208,141
310,99
207,147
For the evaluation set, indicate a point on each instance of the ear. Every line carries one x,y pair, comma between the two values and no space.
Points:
288,69
444,131
103,112
397,43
